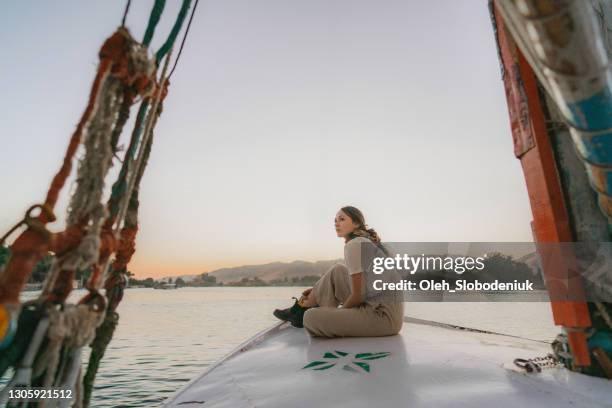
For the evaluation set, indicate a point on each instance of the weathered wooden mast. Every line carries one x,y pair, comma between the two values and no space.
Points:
558,78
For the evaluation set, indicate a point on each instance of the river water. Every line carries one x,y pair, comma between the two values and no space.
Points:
166,337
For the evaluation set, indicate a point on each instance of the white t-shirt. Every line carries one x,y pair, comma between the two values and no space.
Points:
353,253
359,254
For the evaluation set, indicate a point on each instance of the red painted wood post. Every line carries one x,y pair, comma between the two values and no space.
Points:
532,147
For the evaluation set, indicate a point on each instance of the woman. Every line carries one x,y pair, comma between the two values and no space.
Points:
364,311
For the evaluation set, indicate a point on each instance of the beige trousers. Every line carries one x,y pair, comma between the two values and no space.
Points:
372,318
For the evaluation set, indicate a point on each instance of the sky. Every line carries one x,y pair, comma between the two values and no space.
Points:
279,113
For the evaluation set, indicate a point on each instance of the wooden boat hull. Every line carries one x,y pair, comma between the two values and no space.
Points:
426,365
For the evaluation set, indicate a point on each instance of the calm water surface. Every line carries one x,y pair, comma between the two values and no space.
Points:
166,337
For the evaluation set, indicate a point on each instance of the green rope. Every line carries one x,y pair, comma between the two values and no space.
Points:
174,32
146,154
104,334
156,12
124,115
119,185
118,189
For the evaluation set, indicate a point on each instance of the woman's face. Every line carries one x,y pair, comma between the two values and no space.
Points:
344,224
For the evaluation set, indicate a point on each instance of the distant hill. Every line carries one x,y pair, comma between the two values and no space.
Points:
275,270
186,278
266,272
296,269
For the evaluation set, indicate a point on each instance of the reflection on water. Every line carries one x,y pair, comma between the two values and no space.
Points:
167,337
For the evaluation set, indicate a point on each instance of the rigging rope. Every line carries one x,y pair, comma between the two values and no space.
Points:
180,51
124,205
174,32
90,238
86,204
156,12
30,246
116,282
123,70
119,186
125,13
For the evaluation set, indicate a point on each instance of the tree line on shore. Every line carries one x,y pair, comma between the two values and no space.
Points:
497,265
208,280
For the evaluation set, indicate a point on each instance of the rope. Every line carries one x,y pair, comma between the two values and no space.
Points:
72,327
156,12
125,13
174,32
124,115
131,175
29,247
123,60
72,379
23,373
94,165
123,73
114,285
118,189
86,204
537,364
29,318
104,334
126,208
116,282
178,56
32,222
123,204
119,186
60,178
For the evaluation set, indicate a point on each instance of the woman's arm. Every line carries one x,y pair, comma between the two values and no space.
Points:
356,297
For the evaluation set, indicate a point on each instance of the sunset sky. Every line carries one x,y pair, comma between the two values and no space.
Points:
279,113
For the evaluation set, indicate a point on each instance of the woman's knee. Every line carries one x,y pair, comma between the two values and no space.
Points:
339,267
310,318
333,272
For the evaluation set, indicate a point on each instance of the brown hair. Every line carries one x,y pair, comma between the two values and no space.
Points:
362,228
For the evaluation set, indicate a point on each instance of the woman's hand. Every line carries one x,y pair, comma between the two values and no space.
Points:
356,296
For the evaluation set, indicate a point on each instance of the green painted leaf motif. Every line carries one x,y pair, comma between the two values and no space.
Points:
325,367
372,356
364,366
336,354
315,364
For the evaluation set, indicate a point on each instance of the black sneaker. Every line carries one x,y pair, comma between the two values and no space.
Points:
293,314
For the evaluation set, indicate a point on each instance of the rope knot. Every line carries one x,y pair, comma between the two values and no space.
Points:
162,94
36,223
129,62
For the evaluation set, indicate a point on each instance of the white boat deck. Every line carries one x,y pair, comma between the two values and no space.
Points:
426,365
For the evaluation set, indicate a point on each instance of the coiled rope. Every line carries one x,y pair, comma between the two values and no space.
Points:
94,231
123,67
124,204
